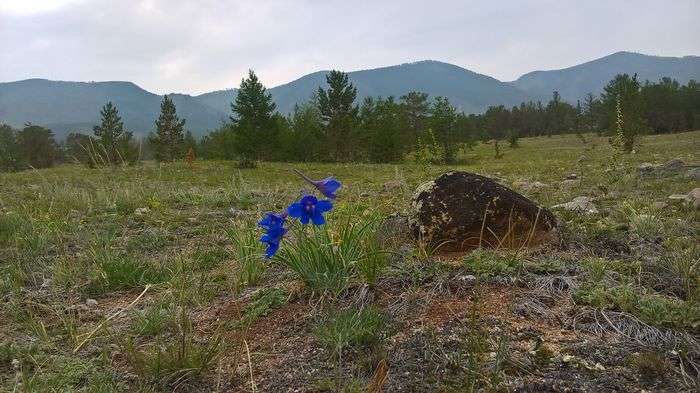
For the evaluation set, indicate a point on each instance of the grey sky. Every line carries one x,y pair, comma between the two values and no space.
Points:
198,46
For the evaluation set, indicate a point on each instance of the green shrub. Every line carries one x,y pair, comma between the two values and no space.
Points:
489,263
652,308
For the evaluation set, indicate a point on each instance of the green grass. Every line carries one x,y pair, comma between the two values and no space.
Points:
350,329
70,233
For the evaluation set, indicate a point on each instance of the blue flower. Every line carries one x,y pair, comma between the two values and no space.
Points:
273,224
310,208
327,186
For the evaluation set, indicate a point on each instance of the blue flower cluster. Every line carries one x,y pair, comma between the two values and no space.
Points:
308,208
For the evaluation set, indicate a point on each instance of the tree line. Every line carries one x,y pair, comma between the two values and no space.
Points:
334,126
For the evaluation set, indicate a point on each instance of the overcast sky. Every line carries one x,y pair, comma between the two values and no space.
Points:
198,46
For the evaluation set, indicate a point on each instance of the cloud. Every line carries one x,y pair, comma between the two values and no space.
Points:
192,47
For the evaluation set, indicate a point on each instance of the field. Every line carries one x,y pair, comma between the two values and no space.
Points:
148,278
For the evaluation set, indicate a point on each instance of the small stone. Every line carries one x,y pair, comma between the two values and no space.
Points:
583,158
141,211
645,168
571,176
467,280
658,205
91,303
599,367
677,198
693,174
582,204
567,358
529,187
673,165
693,198
191,219
570,183
365,195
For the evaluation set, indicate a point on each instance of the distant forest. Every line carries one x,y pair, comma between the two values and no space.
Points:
334,127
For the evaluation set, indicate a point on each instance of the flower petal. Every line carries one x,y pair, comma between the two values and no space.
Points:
296,210
324,205
308,199
317,218
271,249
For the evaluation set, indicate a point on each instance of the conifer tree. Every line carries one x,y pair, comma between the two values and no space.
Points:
252,119
339,114
443,123
415,108
168,140
114,140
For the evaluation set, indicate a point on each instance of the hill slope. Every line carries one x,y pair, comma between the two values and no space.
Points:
575,82
468,91
70,106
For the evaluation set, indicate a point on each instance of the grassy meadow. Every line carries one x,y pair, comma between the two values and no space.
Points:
150,278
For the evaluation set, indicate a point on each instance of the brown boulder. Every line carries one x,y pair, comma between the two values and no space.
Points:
449,212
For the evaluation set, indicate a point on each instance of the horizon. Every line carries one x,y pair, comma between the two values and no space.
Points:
174,46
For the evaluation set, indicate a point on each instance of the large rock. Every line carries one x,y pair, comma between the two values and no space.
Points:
449,212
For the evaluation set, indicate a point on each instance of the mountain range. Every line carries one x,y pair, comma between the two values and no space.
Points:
74,106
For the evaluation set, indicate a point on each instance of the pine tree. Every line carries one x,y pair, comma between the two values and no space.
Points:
339,115
415,108
443,121
114,140
252,120
168,140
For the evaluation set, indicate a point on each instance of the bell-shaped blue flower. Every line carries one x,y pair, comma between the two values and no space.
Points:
273,224
328,186
309,208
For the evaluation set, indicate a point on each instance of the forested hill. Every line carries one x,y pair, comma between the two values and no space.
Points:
74,106
575,82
